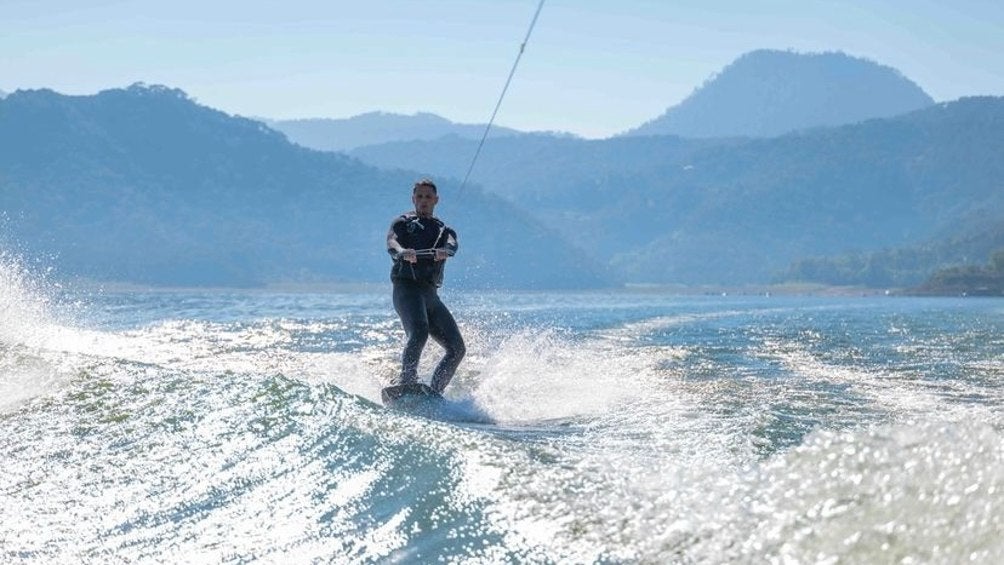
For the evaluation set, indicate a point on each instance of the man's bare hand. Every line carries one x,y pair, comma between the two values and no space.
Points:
409,255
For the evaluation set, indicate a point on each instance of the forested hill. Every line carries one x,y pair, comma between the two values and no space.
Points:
666,209
767,93
144,185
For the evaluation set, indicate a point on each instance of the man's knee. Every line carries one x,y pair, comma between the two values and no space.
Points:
418,333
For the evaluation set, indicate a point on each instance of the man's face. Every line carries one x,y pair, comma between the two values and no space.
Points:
425,200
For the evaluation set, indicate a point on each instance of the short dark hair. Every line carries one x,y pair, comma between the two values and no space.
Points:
425,182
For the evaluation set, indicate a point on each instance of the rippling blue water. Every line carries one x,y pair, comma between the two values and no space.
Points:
226,426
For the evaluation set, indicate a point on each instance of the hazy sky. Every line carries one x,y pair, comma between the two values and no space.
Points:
592,67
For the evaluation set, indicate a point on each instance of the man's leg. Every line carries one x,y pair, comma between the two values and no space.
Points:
443,329
411,308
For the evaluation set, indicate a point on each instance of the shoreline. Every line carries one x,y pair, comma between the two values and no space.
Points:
785,289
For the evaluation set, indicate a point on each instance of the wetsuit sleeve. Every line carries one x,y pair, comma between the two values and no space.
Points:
394,245
451,245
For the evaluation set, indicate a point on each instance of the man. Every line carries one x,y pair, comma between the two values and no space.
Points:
420,244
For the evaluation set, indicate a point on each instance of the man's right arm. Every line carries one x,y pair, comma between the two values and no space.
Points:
396,250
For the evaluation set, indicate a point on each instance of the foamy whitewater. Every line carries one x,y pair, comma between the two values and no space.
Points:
629,427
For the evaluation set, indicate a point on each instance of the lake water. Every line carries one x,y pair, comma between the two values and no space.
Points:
630,427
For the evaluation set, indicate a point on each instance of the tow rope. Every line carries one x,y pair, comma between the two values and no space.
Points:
498,104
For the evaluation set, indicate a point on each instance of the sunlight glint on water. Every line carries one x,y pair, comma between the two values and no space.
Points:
244,426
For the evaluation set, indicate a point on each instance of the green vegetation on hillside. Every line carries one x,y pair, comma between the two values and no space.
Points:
969,280
901,267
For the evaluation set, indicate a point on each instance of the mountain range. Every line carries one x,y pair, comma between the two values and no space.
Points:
739,210
763,93
142,184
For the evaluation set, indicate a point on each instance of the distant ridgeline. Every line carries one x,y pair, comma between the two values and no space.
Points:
767,93
376,127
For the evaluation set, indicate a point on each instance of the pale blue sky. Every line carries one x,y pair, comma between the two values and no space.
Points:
592,67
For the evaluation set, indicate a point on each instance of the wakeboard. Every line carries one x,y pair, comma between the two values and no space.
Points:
422,400
411,397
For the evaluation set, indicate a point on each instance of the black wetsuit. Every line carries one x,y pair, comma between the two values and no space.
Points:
417,302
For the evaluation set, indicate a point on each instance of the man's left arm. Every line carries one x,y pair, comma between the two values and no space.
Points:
449,247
